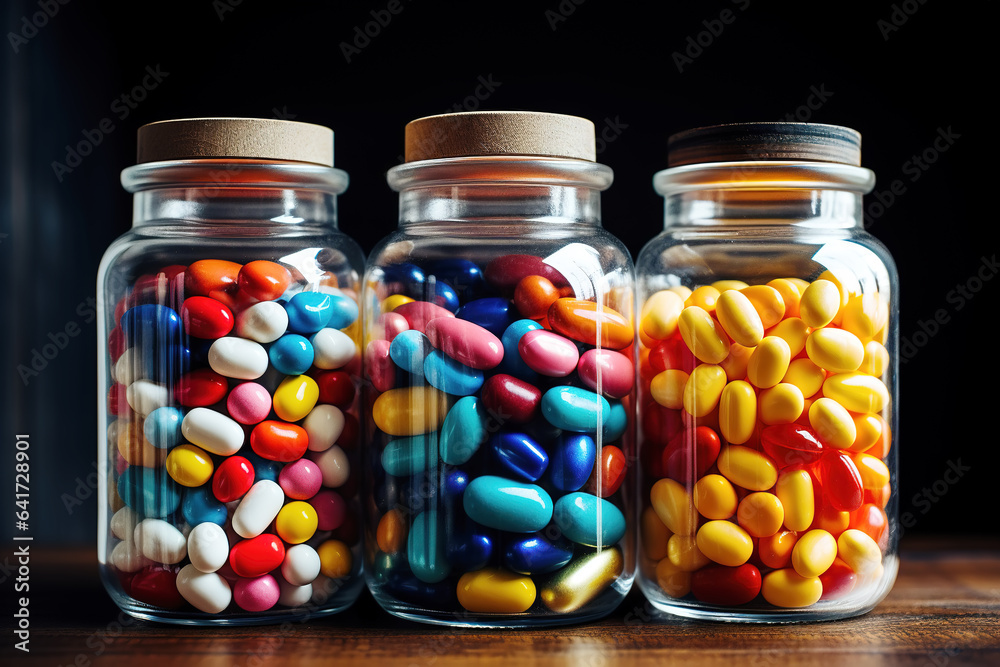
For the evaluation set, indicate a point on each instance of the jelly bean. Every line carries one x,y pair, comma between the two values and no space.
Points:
769,362
507,505
675,507
116,343
419,313
617,422
334,465
189,465
332,348
874,473
739,318
263,322
736,362
392,531
672,353
493,314
126,557
654,536
296,522
586,519
135,450
805,375
790,293
871,519
781,404
205,317
156,586
829,518
580,320
683,552
410,410
462,274
300,479
345,311
151,324
574,409
144,396
857,392
308,312
548,353
841,481
331,509
791,444
835,350
767,302
761,514
409,456
258,508
470,548
793,331
535,554
787,588
731,586
301,565
425,548
205,591
512,362
820,303
609,473
506,271
394,301
123,523
409,350
832,423
212,431
660,314
208,547
149,492
737,410
519,456
701,442
495,591
238,358
667,388
450,376
876,359
572,461
391,325
747,468
703,335
775,551
462,432
714,497
200,388
263,280
294,596
727,285
725,543
516,399
814,553
794,489
256,556
704,297
256,594
160,541
379,365
209,275
336,388
232,479
838,580
609,371
162,427
859,551
200,506
674,581
295,397
291,354
534,295
581,581
248,403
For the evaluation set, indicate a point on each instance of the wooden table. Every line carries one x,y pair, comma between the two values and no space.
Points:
943,611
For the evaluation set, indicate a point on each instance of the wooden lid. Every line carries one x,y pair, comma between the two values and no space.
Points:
477,133
739,142
241,138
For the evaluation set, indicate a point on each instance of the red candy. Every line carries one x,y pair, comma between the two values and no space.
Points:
336,388
348,439
672,353
263,280
256,556
506,271
200,388
791,444
232,479
660,424
279,441
381,369
838,580
157,586
509,399
871,519
206,318
719,584
331,510
611,466
116,343
117,400
841,481
702,441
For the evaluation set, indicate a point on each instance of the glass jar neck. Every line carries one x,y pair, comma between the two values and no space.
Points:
773,193
500,189
246,193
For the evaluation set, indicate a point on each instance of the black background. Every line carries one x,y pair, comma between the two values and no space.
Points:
902,74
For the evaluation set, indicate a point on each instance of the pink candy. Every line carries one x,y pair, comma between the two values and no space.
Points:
548,353
465,342
381,369
249,403
300,479
616,371
419,313
393,324
257,594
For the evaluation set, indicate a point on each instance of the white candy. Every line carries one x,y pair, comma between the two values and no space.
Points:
323,425
123,523
208,546
144,396
332,348
128,368
263,322
258,508
206,591
301,565
127,557
334,466
212,431
237,358
160,541
292,595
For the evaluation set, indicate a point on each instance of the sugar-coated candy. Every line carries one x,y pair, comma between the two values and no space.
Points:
494,314
332,348
263,280
586,519
160,541
205,317
583,579
291,354
506,504
450,376
469,548
496,591
257,508
610,371
295,397
206,591
548,353
162,427
212,431
279,441
518,456
465,342
300,479
572,461
262,322
208,546
536,554
301,565
574,409
189,465
238,358
200,388
462,432
156,585
256,594
200,506
257,555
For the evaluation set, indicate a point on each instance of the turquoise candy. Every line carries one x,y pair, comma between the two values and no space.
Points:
512,362
308,312
504,504
462,433
408,351
574,409
426,548
162,427
149,491
615,425
344,311
450,376
199,506
576,516
410,456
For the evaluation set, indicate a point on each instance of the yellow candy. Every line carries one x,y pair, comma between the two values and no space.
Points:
296,522
761,514
715,497
836,350
781,404
577,584
674,506
794,332
739,319
747,468
805,375
876,359
814,553
857,392
660,313
847,285
295,397
704,297
704,389
863,315
790,294
819,303
495,591
795,491
735,363
725,543
768,303
737,411
833,423
674,581
874,473
667,388
683,552
335,559
393,302
800,283
769,362
655,535
859,551
787,588
703,336
726,285
410,410
189,465
681,291
869,428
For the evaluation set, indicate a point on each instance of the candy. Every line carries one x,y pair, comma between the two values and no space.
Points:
462,432
703,389
534,295
200,506
814,553
674,506
506,271
279,441
291,354
409,456
248,403
838,581
725,543
535,554
574,409
511,339
580,320
419,313
332,348
761,514
609,472
572,461
263,322
205,317
257,509
200,388
156,586
409,350
507,505
781,404
577,584
300,479
518,400
333,465
205,591
162,427
737,410
674,581
189,465
769,362
832,423
295,397
256,594
791,444
126,557
209,275
426,550
859,551
842,483
296,522
160,541
465,342
819,304
492,313
308,312
212,431
450,376
857,392
495,591
519,456
548,353
703,336
719,584
263,280
301,565
660,314
739,318
208,547
586,519
392,532
410,410
144,396
714,497
336,388
794,491
747,468
607,370
148,492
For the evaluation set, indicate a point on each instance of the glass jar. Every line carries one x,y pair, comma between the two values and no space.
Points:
498,373
228,369
767,391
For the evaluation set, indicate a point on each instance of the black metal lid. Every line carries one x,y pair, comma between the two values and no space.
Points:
779,140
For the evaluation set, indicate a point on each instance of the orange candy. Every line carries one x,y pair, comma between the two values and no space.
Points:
776,550
534,295
577,319
871,519
206,276
392,532
264,280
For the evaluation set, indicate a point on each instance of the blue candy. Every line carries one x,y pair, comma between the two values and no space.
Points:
149,491
462,274
162,427
308,312
519,455
425,548
400,277
572,461
574,409
409,349
507,505
450,376
492,313
412,455
616,423
512,363
462,432
158,324
533,554
469,548
576,516
262,468
291,354
344,311
199,506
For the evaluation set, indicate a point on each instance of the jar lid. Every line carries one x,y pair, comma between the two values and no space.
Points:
482,133
740,142
240,138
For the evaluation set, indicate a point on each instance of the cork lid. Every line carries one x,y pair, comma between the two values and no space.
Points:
240,138
738,142
480,133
